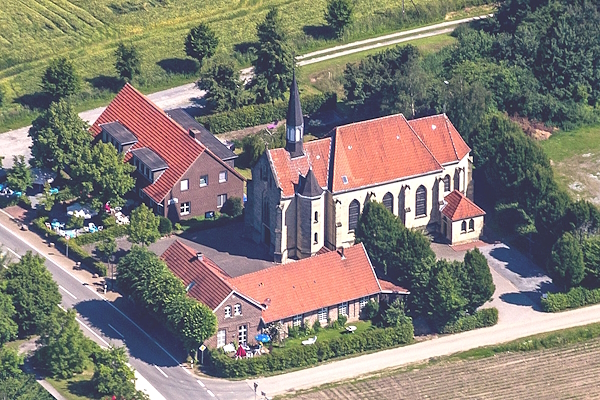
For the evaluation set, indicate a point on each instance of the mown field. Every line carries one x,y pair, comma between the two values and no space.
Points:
566,372
87,31
575,158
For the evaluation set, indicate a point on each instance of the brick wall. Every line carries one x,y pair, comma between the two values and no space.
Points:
251,317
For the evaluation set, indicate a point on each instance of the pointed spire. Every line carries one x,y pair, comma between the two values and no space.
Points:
294,114
309,187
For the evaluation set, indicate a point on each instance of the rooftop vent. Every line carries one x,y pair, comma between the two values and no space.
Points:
190,286
343,254
200,256
433,127
195,133
345,179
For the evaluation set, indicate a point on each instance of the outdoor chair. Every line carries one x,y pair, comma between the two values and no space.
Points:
309,341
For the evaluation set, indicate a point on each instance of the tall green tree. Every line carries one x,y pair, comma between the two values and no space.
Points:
113,377
273,66
48,199
16,384
338,15
446,300
8,327
143,228
64,349
478,284
34,294
127,61
106,248
59,137
201,43
102,174
60,79
566,266
19,177
195,322
224,90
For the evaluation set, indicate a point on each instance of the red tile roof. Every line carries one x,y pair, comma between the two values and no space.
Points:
211,286
390,287
156,131
288,170
307,285
441,137
460,207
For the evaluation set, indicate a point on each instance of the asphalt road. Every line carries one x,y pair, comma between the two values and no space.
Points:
157,365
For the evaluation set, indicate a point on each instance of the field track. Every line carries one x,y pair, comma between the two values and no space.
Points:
569,372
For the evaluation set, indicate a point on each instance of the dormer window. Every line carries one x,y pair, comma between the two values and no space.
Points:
119,136
148,163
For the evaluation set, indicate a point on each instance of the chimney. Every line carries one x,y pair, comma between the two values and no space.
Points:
195,133
200,256
343,255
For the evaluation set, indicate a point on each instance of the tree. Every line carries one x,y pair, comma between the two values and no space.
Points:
10,363
3,96
14,383
194,321
233,207
446,300
103,175
19,177
273,66
566,266
64,350
128,63
60,79
59,137
224,90
8,327
106,248
34,294
395,316
201,43
48,199
478,284
338,15
143,228
591,258
113,377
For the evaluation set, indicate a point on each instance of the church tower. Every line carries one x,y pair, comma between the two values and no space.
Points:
294,133
310,216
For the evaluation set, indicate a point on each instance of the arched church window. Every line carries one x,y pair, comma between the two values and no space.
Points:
471,225
316,216
447,183
316,238
388,202
457,181
463,226
421,201
353,211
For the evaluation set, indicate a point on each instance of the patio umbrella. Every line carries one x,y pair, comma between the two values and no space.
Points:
241,353
262,337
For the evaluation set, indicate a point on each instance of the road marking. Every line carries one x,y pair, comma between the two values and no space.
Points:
118,333
200,382
62,308
161,371
14,253
93,333
67,292
187,371
210,393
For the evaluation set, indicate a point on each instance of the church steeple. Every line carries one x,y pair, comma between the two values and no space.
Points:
294,123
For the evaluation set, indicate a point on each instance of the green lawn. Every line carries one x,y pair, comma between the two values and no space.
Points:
563,145
328,334
36,31
78,387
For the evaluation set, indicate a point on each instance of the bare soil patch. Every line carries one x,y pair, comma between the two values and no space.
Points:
534,129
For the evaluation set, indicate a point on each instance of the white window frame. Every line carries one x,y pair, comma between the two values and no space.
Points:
220,197
185,208
363,302
227,311
205,181
343,309
237,309
221,338
242,334
322,315
224,179
184,185
297,321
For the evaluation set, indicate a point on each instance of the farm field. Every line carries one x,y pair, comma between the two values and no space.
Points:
575,159
566,372
87,32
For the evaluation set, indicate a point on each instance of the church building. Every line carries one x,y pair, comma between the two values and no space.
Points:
309,196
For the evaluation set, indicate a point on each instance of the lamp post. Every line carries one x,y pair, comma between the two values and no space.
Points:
445,83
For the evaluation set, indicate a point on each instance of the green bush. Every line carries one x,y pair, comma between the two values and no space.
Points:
574,298
479,319
298,357
316,326
165,227
113,232
233,207
259,114
370,310
75,222
293,332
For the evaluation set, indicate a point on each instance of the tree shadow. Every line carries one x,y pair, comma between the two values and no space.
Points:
105,82
530,298
318,31
245,48
37,100
83,388
517,262
180,66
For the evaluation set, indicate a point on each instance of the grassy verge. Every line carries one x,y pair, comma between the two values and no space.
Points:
79,387
326,334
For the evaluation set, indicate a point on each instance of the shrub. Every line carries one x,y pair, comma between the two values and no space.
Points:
165,227
75,222
479,319
370,310
233,207
178,226
341,320
113,232
316,326
574,298
293,331
299,357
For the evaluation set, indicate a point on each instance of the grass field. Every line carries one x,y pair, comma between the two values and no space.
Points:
575,157
78,387
36,31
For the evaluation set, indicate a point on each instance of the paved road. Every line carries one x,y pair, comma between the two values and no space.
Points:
16,142
157,365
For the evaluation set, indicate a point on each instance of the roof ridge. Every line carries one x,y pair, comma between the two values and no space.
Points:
446,120
194,254
422,142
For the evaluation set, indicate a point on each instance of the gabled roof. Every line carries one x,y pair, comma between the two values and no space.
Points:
206,137
312,283
377,151
309,187
210,282
156,131
287,170
294,114
441,137
390,287
460,207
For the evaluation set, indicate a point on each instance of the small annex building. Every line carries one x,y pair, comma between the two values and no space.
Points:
319,288
307,196
182,170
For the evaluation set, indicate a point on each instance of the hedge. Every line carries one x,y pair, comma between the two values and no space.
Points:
200,224
479,319
259,114
303,356
113,232
76,252
574,298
